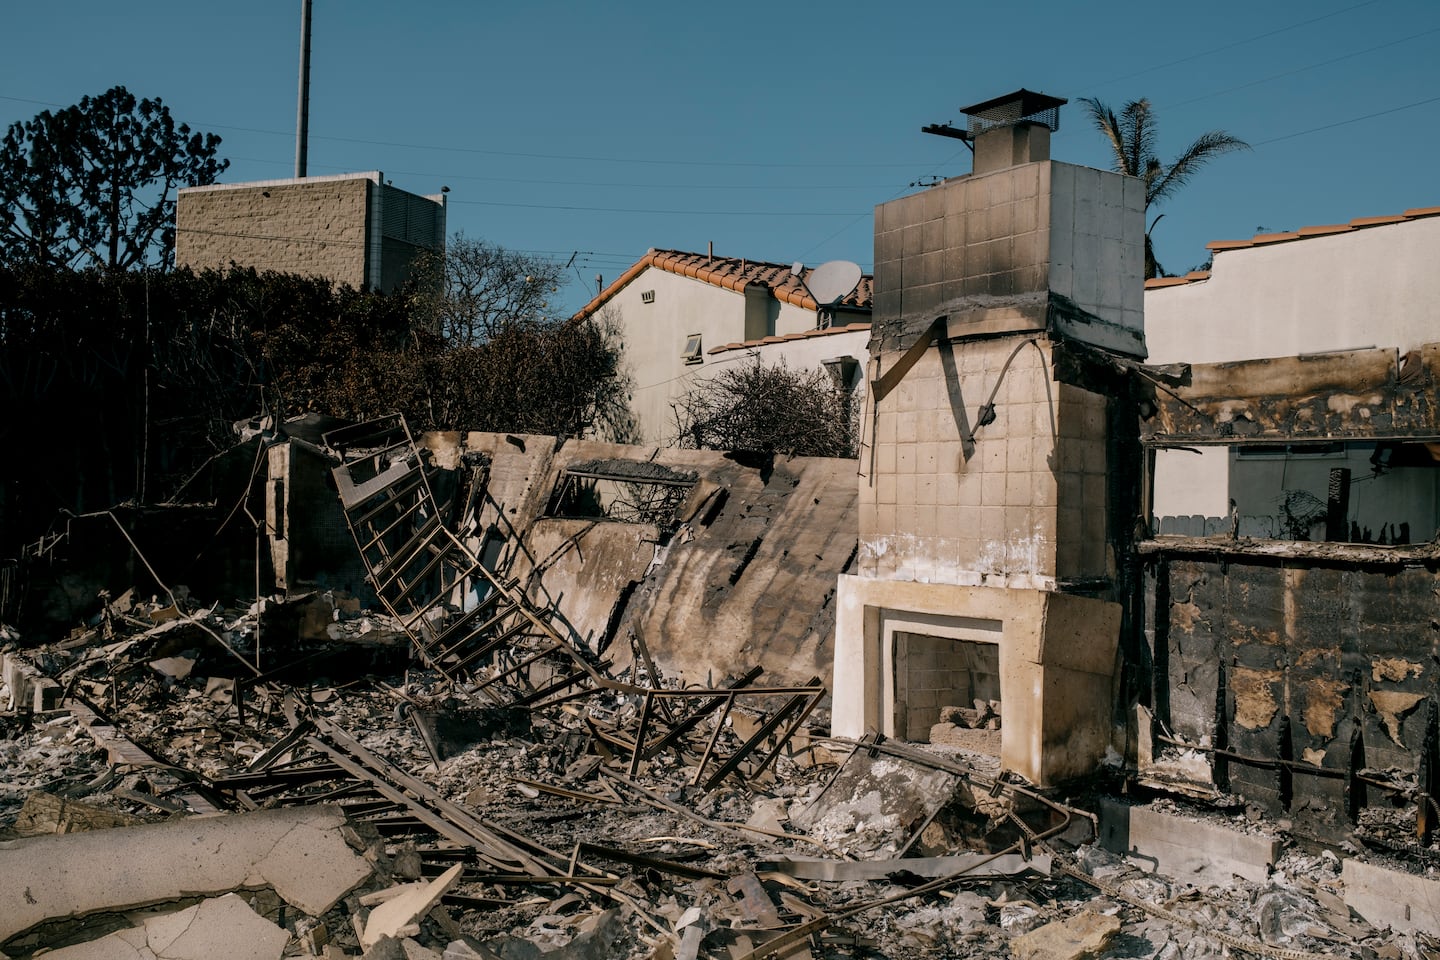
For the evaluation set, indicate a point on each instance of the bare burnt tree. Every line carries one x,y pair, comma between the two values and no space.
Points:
561,379
767,409
474,289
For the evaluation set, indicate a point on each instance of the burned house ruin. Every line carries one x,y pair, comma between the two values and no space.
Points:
1124,619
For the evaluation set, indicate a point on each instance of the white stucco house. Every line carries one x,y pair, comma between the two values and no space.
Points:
686,316
1370,284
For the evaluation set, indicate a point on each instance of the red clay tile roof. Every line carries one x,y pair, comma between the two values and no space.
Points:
785,338
1304,233
1190,277
731,273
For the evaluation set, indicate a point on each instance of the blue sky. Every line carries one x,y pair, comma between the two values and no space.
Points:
601,130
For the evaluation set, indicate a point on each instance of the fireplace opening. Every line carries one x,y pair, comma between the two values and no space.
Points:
948,691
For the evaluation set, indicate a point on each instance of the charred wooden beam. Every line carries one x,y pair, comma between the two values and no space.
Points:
1349,395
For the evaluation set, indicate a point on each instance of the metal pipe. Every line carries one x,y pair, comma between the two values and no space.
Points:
302,111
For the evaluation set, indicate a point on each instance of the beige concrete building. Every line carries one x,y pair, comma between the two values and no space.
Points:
352,229
1366,285
686,316
987,556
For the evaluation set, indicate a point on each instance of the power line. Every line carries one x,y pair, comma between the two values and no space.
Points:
1237,43
806,165
1341,123
690,213
943,163
586,183
1313,66
645,186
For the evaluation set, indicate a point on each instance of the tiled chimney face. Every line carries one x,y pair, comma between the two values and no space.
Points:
1038,246
1032,251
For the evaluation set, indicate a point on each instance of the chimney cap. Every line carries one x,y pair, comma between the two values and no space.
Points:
1022,106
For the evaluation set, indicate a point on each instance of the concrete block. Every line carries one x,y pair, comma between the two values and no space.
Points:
992,489
44,813
1391,898
1190,851
18,676
46,694
1017,490
905,495
1249,526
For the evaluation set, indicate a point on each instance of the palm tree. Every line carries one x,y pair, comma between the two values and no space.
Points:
1132,136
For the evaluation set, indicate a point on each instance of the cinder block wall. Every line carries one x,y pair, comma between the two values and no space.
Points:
314,228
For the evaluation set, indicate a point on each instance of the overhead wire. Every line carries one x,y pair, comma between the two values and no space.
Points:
695,213
1304,69
1343,123
1237,43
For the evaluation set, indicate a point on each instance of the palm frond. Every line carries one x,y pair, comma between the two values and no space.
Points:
1205,148
1105,121
1139,131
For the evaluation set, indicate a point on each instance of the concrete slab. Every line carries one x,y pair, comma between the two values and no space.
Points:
1191,851
1392,898
221,927
299,852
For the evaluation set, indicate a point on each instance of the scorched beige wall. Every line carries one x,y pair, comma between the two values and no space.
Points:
1020,507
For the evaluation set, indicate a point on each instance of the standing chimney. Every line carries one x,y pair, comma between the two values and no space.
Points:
1014,129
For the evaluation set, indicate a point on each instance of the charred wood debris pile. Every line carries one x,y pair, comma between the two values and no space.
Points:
420,780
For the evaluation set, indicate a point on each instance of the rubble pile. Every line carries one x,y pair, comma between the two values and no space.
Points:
454,774
165,798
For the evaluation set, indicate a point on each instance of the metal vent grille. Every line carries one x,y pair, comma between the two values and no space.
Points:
412,219
1022,106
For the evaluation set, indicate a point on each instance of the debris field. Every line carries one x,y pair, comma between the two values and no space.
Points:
431,778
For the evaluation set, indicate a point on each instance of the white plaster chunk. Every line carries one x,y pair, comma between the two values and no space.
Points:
223,928
299,852
397,913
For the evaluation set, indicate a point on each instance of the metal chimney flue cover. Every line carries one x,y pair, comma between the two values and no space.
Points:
1022,106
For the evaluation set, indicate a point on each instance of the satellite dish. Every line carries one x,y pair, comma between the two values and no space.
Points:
830,282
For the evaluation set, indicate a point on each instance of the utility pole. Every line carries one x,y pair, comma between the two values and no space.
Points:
302,113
